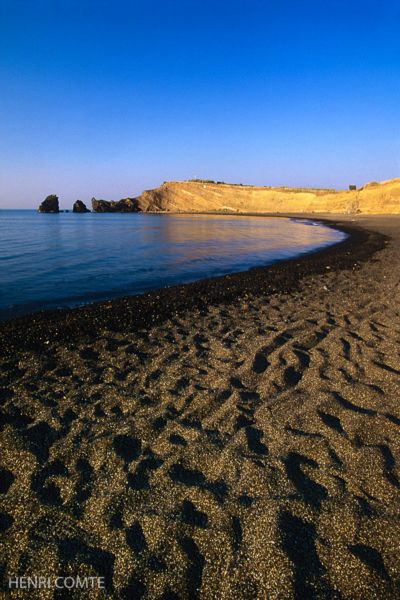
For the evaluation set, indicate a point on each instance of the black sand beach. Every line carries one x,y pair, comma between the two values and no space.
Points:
233,438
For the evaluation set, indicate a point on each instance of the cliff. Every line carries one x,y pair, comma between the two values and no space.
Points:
196,196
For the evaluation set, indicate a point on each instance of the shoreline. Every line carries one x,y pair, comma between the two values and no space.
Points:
245,444
143,310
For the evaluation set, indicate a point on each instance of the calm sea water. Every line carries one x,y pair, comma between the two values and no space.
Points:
50,261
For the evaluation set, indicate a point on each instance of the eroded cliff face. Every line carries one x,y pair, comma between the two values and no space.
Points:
193,196
124,205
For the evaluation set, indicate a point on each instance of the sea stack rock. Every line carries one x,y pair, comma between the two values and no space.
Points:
49,205
80,207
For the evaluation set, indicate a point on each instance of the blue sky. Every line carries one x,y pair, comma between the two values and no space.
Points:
107,98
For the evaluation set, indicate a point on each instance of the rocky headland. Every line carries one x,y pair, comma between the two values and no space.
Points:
124,205
204,196
210,196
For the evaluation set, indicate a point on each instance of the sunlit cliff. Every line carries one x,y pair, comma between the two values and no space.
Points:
198,196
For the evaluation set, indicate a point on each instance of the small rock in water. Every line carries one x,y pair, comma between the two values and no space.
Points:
49,205
80,207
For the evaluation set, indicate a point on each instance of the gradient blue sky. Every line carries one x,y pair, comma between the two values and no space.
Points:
107,98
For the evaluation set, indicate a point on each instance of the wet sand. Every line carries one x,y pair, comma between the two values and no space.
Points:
235,438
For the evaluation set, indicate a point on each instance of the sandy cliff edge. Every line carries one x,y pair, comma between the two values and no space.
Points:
194,196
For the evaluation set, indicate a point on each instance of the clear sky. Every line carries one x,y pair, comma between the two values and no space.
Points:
107,98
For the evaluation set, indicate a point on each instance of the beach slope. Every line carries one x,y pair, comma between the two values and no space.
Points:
236,438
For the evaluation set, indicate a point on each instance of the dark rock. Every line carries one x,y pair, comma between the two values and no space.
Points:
80,207
124,205
100,205
49,205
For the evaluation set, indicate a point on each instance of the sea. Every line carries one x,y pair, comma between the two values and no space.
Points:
51,261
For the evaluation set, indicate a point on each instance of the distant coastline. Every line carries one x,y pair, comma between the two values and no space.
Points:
199,196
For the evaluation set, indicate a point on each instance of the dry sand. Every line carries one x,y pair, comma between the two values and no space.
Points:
242,448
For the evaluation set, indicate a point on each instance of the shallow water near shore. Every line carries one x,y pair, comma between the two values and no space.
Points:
52,261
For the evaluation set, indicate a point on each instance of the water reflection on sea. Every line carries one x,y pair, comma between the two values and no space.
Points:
50,261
